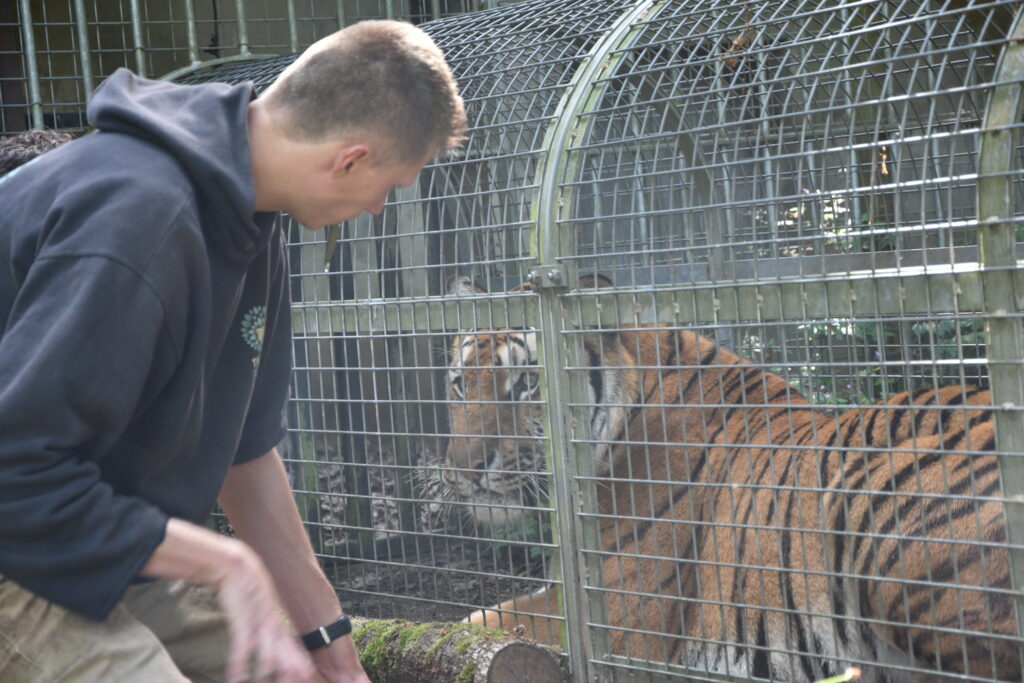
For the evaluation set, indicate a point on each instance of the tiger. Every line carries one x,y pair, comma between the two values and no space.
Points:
745,530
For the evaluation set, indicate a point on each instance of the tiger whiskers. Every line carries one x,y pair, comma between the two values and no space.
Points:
437,496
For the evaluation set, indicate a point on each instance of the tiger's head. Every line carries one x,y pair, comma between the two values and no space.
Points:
494,462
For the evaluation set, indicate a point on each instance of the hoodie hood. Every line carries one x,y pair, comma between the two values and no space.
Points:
204,128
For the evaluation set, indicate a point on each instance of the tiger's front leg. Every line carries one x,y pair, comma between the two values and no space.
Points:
539,623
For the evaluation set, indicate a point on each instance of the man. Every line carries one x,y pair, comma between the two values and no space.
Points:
145,361
26,146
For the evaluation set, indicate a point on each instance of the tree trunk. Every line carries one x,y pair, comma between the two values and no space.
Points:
397,651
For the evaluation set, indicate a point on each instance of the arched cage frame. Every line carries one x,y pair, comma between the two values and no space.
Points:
831,190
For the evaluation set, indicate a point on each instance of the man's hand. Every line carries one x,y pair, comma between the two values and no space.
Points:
258,500
339,662
261,646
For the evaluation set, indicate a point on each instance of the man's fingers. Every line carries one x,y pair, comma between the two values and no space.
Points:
240,658
262,649
271,654
246,660
238,669
281,659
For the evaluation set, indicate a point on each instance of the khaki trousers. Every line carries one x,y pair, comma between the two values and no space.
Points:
164,631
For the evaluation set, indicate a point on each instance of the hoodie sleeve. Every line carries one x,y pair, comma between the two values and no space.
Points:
76,359
265,421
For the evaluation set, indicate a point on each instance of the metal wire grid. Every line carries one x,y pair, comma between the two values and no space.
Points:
368,387
800,181
55,52
724,151
845,132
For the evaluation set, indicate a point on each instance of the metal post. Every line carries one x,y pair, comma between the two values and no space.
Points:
571,465
190,25
83,47
341,13
293,28
997,254
137,42
35,98
243,30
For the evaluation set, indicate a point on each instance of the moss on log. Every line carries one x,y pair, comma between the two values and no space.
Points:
398,651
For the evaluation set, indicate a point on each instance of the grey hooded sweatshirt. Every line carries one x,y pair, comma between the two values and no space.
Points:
145,344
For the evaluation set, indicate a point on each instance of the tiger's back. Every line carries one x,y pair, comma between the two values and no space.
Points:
750,533
766,559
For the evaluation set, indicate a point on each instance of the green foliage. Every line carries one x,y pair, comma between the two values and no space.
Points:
534,530
412,634
455,630
375,653
862,237
868,380
850,362
952,339
467,673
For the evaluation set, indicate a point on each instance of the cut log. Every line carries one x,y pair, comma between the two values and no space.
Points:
397,651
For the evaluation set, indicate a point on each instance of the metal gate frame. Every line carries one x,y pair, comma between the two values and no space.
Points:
990,289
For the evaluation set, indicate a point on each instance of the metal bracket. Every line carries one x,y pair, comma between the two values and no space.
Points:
547,277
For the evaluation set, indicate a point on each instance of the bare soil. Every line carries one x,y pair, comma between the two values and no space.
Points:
439,579
442,571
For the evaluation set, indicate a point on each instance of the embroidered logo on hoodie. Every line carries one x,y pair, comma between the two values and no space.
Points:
253,325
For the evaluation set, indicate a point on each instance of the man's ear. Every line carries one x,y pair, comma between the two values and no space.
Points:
347,157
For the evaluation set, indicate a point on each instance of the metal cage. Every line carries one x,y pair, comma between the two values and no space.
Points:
54,52
703,357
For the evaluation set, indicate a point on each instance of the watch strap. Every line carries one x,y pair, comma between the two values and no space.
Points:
326,634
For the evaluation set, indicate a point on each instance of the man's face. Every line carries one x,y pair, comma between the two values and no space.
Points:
363,187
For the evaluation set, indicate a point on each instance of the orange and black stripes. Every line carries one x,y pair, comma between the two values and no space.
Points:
769,537
842,505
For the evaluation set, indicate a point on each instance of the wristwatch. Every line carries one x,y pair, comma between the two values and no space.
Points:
325,634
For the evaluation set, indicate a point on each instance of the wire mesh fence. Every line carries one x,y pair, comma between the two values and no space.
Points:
703,358
761,387
54,52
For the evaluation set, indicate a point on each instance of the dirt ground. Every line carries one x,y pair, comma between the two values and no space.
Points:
440,580
441,572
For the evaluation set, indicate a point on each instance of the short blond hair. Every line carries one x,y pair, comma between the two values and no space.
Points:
383,78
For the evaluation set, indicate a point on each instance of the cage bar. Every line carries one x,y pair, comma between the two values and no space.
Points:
997,238
35,97
138,44
85,64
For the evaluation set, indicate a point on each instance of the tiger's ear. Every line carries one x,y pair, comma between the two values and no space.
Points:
594,281
460,285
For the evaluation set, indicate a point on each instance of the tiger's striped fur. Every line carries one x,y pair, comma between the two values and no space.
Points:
752,533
